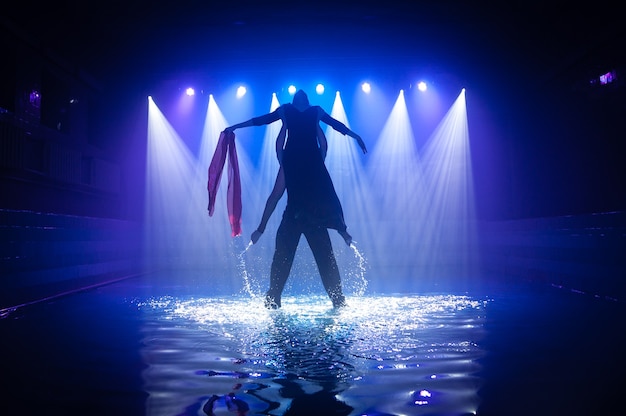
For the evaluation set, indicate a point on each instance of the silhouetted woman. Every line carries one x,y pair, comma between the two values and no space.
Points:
312,203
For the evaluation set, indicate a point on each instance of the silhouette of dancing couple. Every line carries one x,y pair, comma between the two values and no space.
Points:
312,203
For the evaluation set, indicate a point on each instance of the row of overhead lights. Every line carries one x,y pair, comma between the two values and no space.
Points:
319,89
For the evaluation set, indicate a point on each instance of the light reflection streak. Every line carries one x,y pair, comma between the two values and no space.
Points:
371,351
409,204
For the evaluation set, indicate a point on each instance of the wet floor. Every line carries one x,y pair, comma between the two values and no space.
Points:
136,348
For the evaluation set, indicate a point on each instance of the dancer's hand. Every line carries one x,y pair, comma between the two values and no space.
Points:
346,237
361,143
255,236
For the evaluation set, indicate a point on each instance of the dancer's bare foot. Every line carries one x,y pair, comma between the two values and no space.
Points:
339,302
271,302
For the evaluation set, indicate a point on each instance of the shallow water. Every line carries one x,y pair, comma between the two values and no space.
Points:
419,352
138,348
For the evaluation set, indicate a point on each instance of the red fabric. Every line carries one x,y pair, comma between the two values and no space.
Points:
226,145
234,189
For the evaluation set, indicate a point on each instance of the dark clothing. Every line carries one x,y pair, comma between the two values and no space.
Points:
322,116
311,196
312,202
287,238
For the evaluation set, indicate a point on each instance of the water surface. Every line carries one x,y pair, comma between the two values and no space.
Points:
164,346
402,354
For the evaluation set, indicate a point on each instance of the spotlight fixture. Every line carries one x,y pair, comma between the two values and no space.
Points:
190,91
607,78
366,87
292,89
319,89
422,86
241,91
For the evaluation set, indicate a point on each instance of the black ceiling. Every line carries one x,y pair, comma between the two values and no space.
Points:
126,38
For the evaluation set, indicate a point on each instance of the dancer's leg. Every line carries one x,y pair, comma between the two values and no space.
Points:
320,244
287,238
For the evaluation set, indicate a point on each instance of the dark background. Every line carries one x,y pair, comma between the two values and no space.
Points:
547,139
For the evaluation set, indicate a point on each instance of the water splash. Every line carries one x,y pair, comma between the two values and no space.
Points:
247,281
250,243
355,281
361,283
399,341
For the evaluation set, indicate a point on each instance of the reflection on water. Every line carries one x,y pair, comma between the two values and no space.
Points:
382,355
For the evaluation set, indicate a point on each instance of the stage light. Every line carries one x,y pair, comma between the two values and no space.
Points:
422,86
292,89
366,87
35,99
190,91
607,78
319,89
241,91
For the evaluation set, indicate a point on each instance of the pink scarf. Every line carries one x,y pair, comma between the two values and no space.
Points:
226,144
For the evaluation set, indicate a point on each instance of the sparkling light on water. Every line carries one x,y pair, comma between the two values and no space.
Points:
387,354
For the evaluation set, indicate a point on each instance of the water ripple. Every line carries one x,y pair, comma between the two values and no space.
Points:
406,355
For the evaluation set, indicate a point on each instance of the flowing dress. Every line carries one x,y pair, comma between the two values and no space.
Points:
311,196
